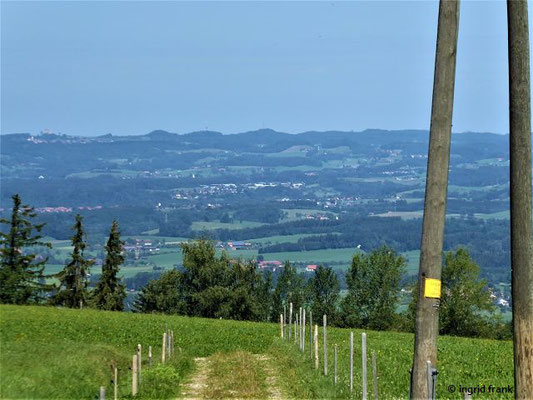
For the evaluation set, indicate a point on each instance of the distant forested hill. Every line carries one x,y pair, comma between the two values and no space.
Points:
343,188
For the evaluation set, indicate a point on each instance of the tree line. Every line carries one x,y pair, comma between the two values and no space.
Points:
214,286
22,276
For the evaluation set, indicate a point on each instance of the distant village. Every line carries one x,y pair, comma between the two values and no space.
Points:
138,248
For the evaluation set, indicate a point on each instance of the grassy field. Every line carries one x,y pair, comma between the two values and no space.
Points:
315,256
269,240
127,271
61,353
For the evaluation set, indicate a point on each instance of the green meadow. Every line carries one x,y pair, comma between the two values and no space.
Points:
62,353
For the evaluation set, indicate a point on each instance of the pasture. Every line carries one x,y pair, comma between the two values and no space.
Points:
75,348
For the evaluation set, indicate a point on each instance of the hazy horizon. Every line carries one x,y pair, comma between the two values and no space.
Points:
128,68
241,132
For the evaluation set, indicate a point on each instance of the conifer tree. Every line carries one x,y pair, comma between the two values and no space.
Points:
110,292
74,277
21,277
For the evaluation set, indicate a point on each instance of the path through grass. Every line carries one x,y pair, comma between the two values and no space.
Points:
234,375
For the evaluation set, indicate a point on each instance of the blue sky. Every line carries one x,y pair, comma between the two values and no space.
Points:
90,68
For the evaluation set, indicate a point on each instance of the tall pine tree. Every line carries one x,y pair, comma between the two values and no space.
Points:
110,292
21,275
74,277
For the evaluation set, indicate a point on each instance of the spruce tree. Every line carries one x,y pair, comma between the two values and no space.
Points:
110,292
74,277
21,277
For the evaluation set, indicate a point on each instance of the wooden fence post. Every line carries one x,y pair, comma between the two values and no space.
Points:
325,321
168,345
363,359
164,348
134,378
150,356
375,374
281,324
351,362
335,365
296,320
284,319
303,332
171,343
290,320
316,346
139,352
311,334
115,382
102,392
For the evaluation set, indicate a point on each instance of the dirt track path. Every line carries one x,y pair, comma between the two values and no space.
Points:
194,389
235,375
274,392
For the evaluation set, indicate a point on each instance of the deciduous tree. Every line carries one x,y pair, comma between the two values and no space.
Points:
373,283
325,293
466,308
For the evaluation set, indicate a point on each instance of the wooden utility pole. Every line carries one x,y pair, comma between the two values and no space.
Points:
427,313
520,177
